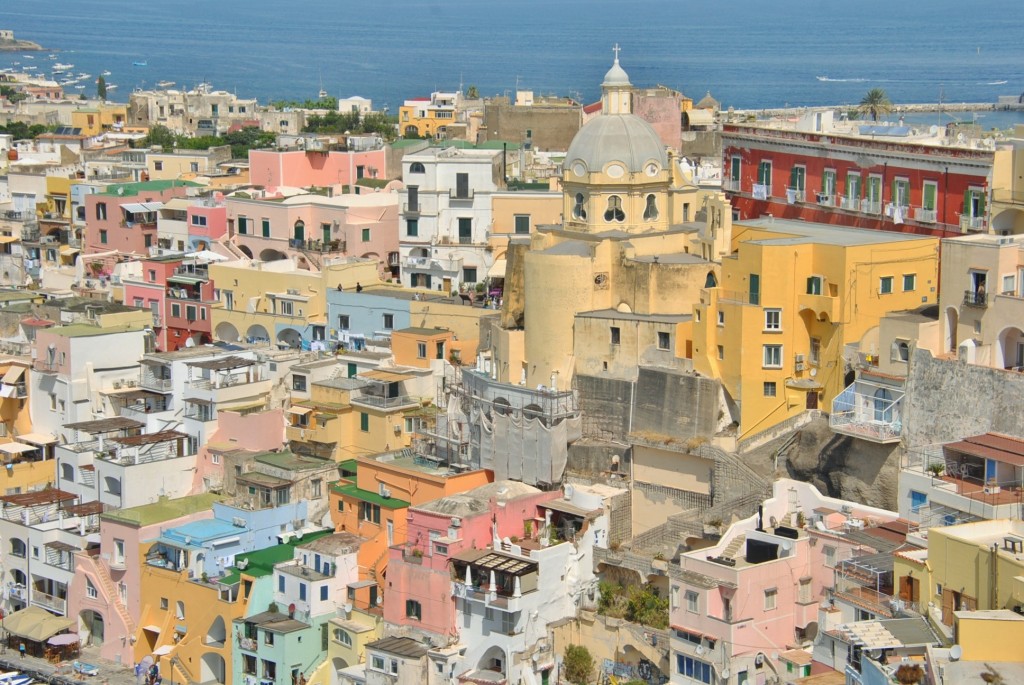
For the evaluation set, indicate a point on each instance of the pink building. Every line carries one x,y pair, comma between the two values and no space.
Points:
106,595
311,228
419,571
323,168
124,217
207,223
179,292
237,430
758,591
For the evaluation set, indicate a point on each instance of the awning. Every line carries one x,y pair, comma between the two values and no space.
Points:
226,541
36,624
163,651
700,117
14,374
8,391
498,270
386,376
68,250
152,629
300,411
38,438
142,207
17,448
4,239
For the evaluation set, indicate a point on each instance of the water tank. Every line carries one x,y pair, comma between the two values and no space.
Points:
12,155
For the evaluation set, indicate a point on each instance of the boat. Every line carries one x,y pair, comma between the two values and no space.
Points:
80,87
112,86
165,84
822,78
139,64
62,67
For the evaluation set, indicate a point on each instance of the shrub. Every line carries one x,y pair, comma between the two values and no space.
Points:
578,666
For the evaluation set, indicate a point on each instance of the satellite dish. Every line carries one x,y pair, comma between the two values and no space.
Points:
726,673
120,190
699,650
814,372
955,652
190,342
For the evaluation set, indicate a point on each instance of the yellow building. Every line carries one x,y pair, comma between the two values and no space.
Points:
278,302
168,165
108,116
428,117
995,635
622,244
791,296
349,636
968,567
28,457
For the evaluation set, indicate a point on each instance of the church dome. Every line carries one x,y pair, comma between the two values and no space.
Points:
616,76
623,138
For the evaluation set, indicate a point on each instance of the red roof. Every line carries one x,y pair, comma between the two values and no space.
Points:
995,446
590,109
37,322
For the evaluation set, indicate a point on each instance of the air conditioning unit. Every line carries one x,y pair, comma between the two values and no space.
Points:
293,291
800,359
992,489
800,366
456,522
238,522
131,383
385,493
117,385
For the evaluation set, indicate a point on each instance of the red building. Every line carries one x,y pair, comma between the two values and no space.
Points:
124,216
179,292
891,178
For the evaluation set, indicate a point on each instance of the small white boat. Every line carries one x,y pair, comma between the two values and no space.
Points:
112,86
105,73
165,84
62,67
80,87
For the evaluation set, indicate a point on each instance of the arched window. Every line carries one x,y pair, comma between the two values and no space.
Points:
180,610
417,168
300,230
579,209
614,211
651,209
67,472
342,637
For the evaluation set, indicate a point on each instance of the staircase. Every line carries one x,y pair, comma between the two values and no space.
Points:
232,248
114,598
373,568
179,671
734,547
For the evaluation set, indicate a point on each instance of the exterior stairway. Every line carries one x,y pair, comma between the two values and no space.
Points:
734,547
114,598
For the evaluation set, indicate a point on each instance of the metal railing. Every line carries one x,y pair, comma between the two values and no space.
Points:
454,194
826,199
925,215
731,184
973,223
158,384
317,245
385,402
975,298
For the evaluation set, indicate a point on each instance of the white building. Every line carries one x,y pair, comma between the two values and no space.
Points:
446,216
316,580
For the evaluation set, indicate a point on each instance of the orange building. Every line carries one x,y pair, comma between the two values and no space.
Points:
417,347
372,498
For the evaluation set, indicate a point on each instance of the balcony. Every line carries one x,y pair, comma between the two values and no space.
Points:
819,304
973,224
925,216
411,210
148,382
50,602
465,195
380,402
761,191
826,199
975,298
870,411
794,195
731,185
321,246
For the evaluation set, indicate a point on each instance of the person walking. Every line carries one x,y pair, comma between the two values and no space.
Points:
21,650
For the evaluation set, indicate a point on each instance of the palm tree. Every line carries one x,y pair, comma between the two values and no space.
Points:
875,103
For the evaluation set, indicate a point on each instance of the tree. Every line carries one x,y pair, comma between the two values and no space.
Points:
12,94
876,103
159,135
101,88
472,93
578,666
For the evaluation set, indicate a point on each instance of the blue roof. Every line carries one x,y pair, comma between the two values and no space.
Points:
201,531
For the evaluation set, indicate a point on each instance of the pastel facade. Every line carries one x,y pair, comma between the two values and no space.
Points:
446,216
428,117
124,217
784,295
322,168
863,175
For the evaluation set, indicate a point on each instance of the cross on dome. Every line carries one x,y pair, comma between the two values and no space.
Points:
616,51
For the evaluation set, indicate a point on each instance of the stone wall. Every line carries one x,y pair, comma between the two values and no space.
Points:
950,400
552,127
674,404
605,404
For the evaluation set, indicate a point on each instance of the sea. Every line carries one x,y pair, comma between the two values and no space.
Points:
746,53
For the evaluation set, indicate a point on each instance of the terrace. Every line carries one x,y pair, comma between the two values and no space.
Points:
497,579
870,410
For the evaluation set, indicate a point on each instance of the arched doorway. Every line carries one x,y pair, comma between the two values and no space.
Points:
217,634
272,255
226,332
493,660
337,665
299,231
91,627
244,249
289,337
1010,349
212,669
257,334
949,329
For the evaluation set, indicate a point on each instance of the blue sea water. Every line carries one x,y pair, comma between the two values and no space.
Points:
748,53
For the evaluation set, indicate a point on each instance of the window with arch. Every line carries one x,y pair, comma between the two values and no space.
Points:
180,610
342,637
614,211
67,472
579,209
651,208
417,168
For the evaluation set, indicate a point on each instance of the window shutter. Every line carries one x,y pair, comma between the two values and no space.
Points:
967,203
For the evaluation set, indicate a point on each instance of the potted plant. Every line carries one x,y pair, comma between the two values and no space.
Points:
937,469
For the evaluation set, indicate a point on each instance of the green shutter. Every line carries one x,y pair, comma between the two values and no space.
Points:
929,197
794,177
735,175
755,289
967,203
981,203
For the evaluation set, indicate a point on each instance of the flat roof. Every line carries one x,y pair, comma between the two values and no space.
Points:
85,330
826,234
223,363
355,492
164,510
615,314
105,425
293,462
336,543
399,646
261,562
477,500
1005,449
133,189
414,330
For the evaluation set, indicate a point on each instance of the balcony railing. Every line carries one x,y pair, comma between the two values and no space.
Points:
973,223
411,210
18,216
466,195
386,402
157,384
975,298
49,602
826,199
761,191
794,195
317,245
923,215
867,411
731,184
1008,197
